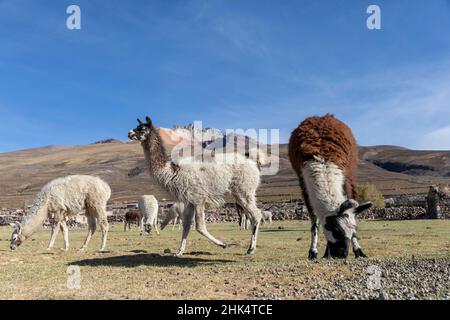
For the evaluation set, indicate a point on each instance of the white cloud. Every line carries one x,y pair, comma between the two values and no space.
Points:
438,139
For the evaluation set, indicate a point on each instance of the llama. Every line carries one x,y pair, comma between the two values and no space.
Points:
149,208
175,214
201,184
266,217
133,216
63,198
244,221
324,154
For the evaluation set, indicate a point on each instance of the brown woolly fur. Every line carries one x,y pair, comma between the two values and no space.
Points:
133,215
324,154
330,139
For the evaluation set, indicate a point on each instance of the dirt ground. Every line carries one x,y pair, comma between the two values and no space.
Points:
137,267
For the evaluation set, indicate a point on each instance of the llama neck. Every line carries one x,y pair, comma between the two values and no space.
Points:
34,219
324,183
155,152
157,160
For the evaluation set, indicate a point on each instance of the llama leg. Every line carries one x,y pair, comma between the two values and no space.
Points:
315,225
188,214
201,226
248,223
92,226
55,230
125,226
65,231
240,215
314,237
255,218
155,224
357,250
104,226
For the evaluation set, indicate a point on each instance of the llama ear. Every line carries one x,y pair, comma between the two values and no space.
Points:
13,225
363,207
149,121
139,121
347,204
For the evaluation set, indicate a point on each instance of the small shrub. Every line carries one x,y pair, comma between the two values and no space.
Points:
369,192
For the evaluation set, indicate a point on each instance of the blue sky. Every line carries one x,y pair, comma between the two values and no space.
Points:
232,64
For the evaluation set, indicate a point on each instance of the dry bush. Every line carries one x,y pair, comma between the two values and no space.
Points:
369,192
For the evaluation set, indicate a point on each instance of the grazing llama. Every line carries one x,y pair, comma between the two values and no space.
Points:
133,216
149,208
266,217
63,198
324,154
201,184
244,221
175,214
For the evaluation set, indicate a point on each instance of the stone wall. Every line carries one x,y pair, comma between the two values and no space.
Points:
400,208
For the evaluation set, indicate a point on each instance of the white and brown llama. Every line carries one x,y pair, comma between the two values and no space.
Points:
201,184
63,198
324,154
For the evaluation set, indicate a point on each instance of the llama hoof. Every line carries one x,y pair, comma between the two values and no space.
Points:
312,255
359,253
327,254
250,251
179,254
224,245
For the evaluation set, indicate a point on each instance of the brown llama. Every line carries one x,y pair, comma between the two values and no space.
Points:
133,216
324,154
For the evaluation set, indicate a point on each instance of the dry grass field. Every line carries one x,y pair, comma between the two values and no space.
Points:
136,267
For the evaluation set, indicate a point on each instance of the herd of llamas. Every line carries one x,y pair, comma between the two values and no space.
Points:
322,151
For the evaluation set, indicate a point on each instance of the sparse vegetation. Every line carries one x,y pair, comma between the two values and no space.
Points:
136,267
369,192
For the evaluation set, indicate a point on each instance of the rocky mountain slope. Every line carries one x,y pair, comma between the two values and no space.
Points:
394,170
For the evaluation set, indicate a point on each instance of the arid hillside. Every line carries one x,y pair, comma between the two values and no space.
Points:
23,173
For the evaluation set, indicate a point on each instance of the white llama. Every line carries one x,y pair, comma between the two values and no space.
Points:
174,215
201,184
63,198
149,208
266,217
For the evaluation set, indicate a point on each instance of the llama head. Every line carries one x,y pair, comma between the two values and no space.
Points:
16,237
142,131
340,227
147,228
